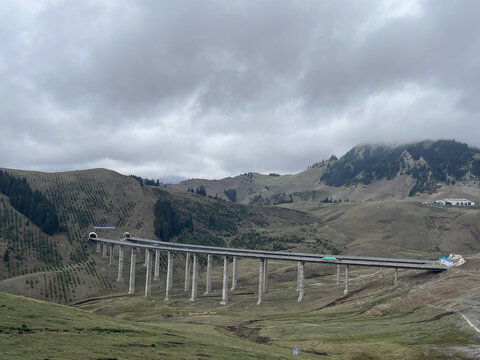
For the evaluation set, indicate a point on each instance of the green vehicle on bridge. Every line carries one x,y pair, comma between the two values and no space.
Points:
331,258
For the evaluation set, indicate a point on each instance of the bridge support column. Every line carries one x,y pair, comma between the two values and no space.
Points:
347,268
148,275
168,285
98,247
380,272
208,286
111,255
234,273
395,280
194,278
225,282
338,275
298,276
156,275
104,250
187,272
260,281
301,278
131,284
145,263
120,264
265,276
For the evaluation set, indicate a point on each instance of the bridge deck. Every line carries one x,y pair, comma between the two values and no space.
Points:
277,255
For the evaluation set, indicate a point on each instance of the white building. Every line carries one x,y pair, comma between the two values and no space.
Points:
455,202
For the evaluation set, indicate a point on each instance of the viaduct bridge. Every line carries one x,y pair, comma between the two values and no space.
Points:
191,268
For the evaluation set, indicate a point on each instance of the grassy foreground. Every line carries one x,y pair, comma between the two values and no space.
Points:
415,319
31,329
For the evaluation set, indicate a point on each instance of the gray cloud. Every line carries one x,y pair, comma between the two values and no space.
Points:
215,88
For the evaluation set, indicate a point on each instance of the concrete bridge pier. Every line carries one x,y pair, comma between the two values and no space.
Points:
131,284
265,276
234,274
98,247
194,278
187,272
338,275
347,268
225,282
301,278
104,250
395,280
168,285
261,277
120,264
298,276
380,272
148,275
156,275
145,263
111,255
208,285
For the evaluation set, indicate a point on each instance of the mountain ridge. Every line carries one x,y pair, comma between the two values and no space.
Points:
422,169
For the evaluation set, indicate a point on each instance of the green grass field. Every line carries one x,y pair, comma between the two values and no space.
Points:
37,330
376,321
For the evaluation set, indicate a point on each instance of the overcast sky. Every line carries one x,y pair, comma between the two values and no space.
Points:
217,88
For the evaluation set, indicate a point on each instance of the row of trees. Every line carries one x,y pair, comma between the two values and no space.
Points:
32,204
149,182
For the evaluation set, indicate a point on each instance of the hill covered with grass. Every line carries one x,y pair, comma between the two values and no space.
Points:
61,265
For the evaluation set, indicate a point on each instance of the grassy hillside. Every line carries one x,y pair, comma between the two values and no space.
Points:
36,330
63,267
395,228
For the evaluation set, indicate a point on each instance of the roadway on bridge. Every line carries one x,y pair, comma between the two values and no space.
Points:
276,255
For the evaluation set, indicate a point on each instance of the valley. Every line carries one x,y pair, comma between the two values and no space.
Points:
57,294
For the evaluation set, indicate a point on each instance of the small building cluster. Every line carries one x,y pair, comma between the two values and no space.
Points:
454,202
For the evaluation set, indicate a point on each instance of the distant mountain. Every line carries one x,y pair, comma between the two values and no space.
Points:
429,163
366,172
